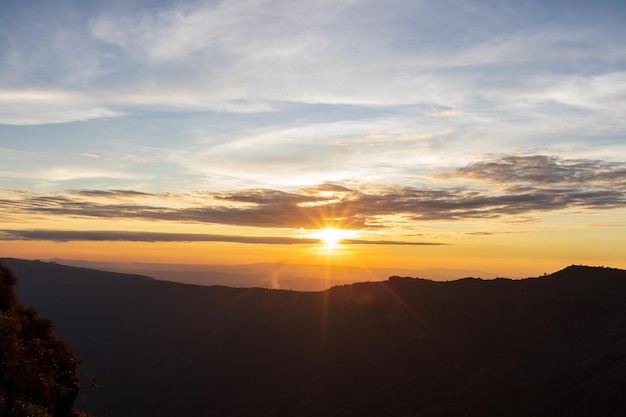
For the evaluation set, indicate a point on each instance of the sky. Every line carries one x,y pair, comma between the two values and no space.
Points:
467,135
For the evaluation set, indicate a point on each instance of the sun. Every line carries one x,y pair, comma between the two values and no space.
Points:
331,236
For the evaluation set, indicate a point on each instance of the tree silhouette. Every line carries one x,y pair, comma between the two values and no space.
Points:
37,371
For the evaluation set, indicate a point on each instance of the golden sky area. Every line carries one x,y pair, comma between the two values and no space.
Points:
511,251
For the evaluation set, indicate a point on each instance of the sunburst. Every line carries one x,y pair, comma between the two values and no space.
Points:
331,237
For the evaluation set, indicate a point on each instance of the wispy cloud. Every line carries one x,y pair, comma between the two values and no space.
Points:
67,173
244,56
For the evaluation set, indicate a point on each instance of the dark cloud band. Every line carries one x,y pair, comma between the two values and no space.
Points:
502,186
111,235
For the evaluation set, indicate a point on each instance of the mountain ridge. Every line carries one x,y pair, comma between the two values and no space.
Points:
400,347
306,277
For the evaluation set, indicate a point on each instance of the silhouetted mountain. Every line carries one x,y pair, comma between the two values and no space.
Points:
554,345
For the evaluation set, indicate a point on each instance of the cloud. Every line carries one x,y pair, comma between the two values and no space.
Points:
605,91
504,186
111,194
113,235
517,172
29,114
388,242
445,113
39,107
242,56
36,107
223,31
68,172
367,148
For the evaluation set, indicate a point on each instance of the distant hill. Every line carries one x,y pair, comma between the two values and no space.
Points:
548,346
301,277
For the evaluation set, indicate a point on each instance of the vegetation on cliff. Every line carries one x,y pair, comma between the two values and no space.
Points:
38,375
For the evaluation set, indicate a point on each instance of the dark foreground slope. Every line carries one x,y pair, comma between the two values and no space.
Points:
549,346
